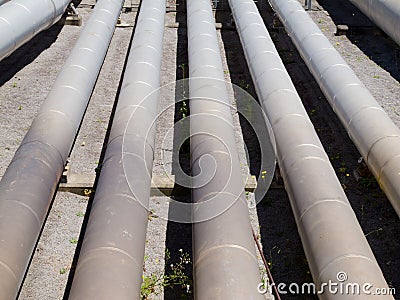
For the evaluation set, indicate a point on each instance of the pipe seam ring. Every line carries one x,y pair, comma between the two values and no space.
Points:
206,252
88,256
342,257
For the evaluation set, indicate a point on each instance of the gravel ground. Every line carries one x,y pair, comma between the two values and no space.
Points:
27,76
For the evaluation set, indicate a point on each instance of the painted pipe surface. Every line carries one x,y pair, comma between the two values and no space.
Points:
21,20
331,235
110,264
28,185
368,125
225,264
384,13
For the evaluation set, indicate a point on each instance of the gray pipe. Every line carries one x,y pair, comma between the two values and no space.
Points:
368,125
29,182
384,13
110,264
21,20
332,238
225,264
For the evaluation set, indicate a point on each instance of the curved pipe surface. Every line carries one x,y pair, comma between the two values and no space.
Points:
21,20
28,185
331,235
110,264
225,263
368,125
384,13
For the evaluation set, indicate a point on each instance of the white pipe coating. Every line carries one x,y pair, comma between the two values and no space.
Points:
331,235
225,262
384,13
110,264
29,183
368,125
21,20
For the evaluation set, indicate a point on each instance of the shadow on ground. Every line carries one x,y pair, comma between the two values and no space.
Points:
27,53
179,235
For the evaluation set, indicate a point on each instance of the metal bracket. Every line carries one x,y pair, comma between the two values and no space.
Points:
277,181
73,18
308,4
362,170
65,173
341,29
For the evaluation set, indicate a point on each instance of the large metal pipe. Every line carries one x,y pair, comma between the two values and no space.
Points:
21,20
332,238
110,264
384,13
225,263
368,125
29,182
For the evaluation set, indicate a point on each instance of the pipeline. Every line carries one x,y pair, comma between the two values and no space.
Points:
322,211
21,20
368,125
28,185
384,13
225,264
110,264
